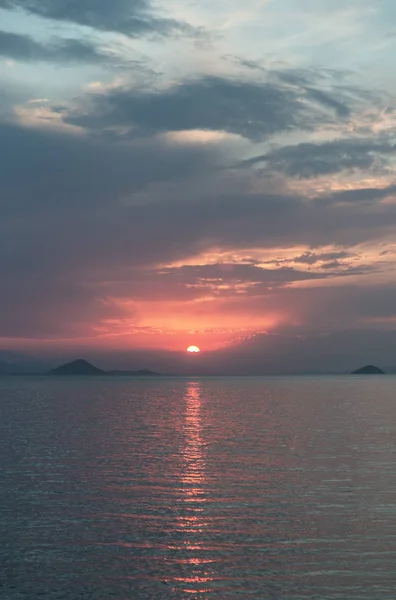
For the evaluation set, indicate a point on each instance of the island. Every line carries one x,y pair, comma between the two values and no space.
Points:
83,367
77,367
368,370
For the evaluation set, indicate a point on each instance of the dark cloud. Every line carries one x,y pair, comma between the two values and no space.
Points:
337,99
87,187
367,195
257,278
71,223
80,173
335,264
326,99
311,160
188,283
254,109
130,17
100,204
212,103
24,48
312,258
341,306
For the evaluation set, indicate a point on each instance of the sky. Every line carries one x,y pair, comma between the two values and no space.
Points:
210,173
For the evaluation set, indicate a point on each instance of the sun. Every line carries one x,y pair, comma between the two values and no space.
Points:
193,349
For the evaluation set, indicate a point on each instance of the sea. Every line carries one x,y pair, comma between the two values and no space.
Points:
198,488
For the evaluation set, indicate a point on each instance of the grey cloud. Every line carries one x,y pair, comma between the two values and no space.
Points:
326,99
246,220
216,274
9,96
67,231
365,195
311,160
56,309
214,103
192,282
335,264
130,17
312,258
24,48
252,109
80,173
306,76
83,182
337,99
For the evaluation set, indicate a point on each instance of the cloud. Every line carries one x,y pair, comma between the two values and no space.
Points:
74,170
123,223
25,48
133,18
117,210
366,195
83,183
325,99
226,279
251,109
312,258
87,246
309,160
211,103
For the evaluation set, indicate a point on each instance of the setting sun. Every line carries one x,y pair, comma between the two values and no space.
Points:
193,349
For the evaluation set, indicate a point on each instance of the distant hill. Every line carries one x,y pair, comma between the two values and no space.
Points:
368,370
77,367
141,373
13,363
83,367
7,368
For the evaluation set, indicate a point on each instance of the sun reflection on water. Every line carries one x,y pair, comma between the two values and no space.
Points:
192,522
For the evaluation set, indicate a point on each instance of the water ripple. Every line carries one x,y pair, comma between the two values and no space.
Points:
198,489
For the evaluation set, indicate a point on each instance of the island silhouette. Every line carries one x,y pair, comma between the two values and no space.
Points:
368,370
81,367
17,364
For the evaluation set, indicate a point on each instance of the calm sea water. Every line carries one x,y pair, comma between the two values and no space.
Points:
198,488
